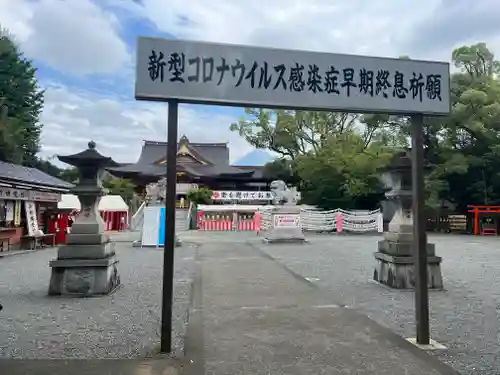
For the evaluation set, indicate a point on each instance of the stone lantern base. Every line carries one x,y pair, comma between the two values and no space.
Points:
86,265
395,265
84,270
394,260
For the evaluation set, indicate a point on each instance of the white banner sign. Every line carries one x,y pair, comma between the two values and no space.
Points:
44,196
17,213
14,194
31,217
210,73
151,226
242,195
9,211
183,188
286,220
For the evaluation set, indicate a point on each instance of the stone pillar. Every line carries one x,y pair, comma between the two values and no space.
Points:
394,258
86,265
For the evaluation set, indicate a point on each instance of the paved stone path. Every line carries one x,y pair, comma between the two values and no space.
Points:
252,316
167,366
123,325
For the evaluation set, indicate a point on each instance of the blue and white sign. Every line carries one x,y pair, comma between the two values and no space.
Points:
161,228
153,227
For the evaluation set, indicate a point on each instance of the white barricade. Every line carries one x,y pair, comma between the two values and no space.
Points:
361,223
314,220
266,219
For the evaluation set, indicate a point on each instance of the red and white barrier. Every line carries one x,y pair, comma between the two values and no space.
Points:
107,217
338,222
214,222
246,225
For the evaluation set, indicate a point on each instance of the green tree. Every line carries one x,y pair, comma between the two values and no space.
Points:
291,133
200,196
47,167
70,175
344,173
281,169
21,101
462,149
120,186
471,134
10,136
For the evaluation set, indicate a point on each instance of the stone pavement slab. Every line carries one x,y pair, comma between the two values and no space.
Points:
251,315
94,367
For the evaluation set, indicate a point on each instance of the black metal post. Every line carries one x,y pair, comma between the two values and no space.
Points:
419,235
169,247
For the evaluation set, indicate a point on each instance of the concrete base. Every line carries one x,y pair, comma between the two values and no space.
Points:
83,277
399,271
399,247
433,345
285,235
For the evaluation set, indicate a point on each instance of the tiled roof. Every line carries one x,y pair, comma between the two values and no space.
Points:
214,153
218,170
19,173
258,171
195,170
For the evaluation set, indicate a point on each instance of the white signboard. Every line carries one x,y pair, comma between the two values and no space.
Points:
31,217
14,194
17,213
9,211
150,226
286,221
185,188
218,195
209,73
44,196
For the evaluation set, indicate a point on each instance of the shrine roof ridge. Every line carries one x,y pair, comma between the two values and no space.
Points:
195,144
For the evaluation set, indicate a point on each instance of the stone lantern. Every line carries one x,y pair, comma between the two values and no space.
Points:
86,264
395,256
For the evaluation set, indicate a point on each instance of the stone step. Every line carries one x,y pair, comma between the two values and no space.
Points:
181,220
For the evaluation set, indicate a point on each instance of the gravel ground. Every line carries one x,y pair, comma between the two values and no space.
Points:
464,317
123,325
126,324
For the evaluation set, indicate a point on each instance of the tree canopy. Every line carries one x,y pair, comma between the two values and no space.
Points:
281,169
120,186
337,157
21,102
200,196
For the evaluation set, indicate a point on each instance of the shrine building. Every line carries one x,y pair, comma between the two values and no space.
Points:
198,165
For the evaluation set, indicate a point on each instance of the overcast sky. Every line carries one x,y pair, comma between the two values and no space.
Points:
85,52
